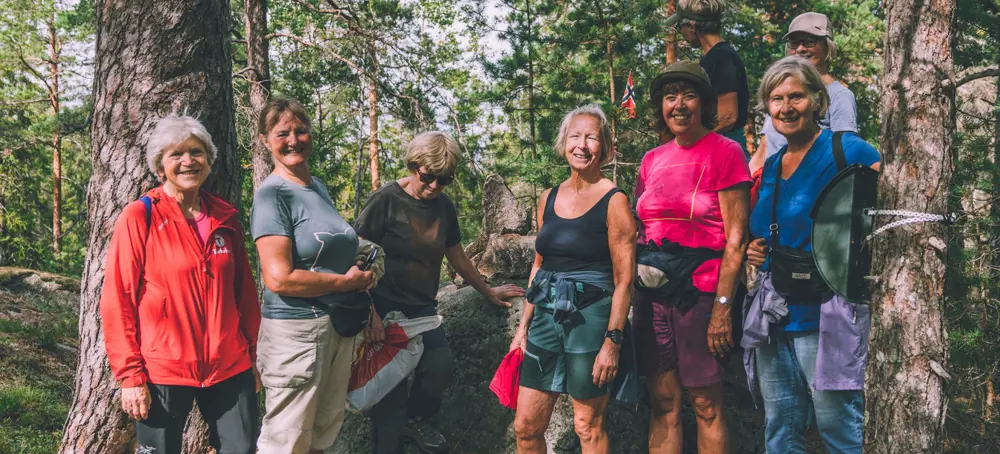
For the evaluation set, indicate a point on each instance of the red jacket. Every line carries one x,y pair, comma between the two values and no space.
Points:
174,311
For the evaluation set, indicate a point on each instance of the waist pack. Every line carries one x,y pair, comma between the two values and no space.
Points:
795,276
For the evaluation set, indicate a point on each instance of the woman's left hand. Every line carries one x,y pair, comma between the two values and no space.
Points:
606,364
256,378
499,294
720,330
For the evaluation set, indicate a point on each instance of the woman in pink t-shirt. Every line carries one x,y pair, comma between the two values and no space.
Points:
693,193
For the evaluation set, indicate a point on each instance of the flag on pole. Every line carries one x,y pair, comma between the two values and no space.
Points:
628,101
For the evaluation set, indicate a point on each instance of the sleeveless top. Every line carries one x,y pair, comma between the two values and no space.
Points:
578,244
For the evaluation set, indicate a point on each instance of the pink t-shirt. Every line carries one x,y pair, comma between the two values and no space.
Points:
677,196
201,225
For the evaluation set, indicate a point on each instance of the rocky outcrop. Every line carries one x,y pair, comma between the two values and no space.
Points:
504,248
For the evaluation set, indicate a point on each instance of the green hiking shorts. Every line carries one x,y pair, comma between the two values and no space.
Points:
560,358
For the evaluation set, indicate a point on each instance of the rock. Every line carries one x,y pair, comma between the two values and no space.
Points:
13,278
503,249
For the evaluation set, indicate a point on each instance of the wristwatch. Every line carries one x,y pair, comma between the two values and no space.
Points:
722,300
616,335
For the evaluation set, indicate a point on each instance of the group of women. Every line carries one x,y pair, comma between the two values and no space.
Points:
183,324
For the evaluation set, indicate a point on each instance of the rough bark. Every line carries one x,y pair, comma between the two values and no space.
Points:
153,57
905,403
55,50
259,78
530,20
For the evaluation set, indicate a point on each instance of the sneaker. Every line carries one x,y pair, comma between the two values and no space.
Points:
426,437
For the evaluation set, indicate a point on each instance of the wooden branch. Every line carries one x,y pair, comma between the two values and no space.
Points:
977,73
315,45
25,102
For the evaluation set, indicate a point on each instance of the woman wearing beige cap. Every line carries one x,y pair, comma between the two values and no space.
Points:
810,36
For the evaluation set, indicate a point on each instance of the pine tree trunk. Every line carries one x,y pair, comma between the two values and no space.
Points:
259,78
55,49
670,41
182,63
905,403
373,131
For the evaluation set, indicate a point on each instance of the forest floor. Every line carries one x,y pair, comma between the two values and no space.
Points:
38,341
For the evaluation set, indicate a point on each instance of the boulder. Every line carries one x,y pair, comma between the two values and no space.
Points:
504,248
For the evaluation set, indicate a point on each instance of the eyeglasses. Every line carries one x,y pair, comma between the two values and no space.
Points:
809,43
428,178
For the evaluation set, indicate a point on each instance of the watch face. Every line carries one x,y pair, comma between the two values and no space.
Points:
616,336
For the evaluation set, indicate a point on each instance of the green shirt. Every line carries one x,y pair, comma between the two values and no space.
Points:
322,241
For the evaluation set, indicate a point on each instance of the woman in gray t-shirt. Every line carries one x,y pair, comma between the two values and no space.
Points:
810,36
307,255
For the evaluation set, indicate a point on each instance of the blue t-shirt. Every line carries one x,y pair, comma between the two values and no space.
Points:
798,195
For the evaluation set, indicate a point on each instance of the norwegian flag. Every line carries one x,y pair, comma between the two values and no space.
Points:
628,101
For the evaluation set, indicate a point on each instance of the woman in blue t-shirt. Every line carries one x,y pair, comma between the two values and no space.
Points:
801,366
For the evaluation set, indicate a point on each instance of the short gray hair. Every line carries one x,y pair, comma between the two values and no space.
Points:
172,130
603,135
801,70
706,8
435,151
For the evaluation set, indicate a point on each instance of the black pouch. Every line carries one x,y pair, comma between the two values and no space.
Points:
352,316
794,276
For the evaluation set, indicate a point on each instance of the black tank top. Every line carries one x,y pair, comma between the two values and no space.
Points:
578,244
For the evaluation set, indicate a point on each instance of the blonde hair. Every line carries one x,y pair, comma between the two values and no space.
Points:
705,8
433,150
603,135
173,130
801,70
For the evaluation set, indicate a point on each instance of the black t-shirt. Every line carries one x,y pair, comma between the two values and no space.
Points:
414,235
726,71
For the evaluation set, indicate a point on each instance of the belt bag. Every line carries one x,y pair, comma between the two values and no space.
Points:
794,276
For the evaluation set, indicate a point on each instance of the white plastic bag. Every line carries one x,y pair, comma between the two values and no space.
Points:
379,367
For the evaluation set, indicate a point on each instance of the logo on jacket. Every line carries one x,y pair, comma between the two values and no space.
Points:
220,245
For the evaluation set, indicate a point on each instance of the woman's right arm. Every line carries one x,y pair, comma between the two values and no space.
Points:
282,278
529,309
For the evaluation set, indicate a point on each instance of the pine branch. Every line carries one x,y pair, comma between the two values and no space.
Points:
976,73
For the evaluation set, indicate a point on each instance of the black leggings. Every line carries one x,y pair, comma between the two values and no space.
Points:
229,408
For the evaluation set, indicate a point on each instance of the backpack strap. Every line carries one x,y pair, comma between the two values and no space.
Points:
838,151
149,209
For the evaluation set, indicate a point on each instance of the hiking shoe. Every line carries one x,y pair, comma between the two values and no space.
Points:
426,437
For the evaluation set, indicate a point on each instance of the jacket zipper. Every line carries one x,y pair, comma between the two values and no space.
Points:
205,256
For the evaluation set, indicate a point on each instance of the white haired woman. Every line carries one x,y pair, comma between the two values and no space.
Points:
810,36
179,307
417,226
801,368
581,286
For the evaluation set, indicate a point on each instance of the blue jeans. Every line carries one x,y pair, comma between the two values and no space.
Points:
786,369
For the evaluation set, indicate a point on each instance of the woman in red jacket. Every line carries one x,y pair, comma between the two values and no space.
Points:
179,307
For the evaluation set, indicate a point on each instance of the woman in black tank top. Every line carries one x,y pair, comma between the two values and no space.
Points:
585,251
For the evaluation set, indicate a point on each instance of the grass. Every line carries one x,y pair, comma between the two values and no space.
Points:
38,330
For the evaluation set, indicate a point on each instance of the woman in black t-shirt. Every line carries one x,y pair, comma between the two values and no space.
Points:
417,226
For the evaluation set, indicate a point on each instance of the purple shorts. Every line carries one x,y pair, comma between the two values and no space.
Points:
667,339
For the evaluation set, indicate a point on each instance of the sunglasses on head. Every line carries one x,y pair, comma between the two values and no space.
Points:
428,178
809,43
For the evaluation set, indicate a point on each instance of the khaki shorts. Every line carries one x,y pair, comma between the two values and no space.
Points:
305,367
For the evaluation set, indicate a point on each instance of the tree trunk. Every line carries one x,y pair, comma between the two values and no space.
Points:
531,78
671,39
55,49
182,63
905,404
373,131
614,106
259,78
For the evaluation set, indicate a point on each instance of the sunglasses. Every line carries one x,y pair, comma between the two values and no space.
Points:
428,178
809,43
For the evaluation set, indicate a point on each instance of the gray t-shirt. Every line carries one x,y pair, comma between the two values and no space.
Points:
414,235
322,241
841,116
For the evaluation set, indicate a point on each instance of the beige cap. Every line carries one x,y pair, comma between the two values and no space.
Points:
815,24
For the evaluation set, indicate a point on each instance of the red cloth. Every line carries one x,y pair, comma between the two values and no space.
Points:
176,311
508,378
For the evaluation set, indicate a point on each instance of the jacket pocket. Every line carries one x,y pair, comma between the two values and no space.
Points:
286,353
